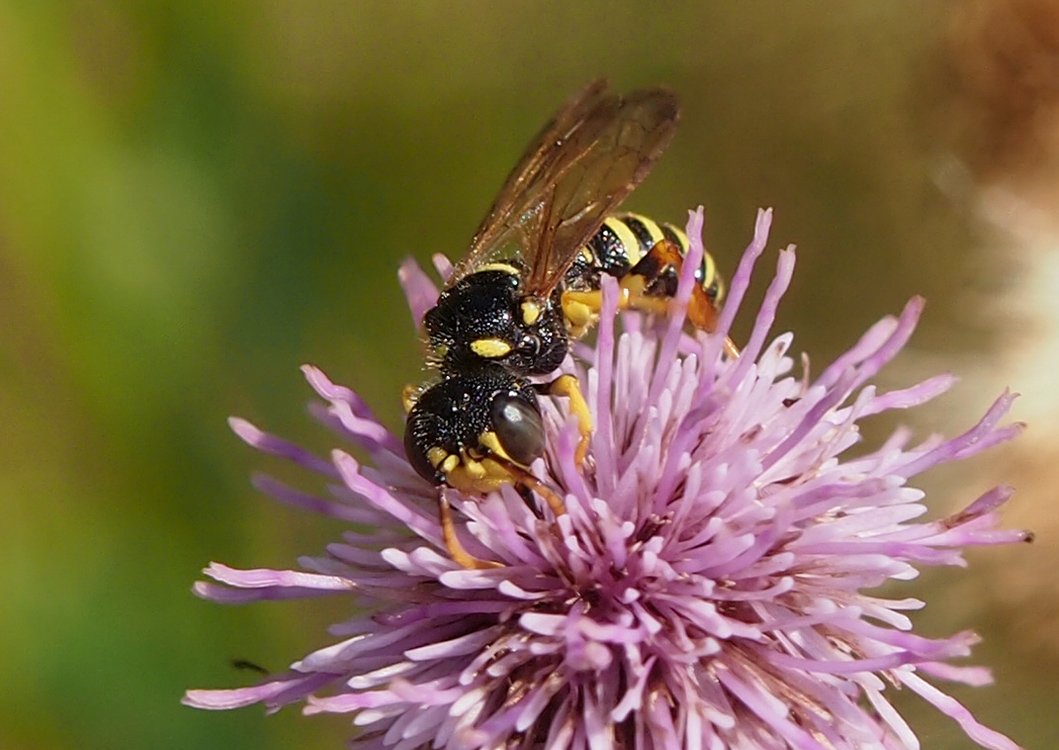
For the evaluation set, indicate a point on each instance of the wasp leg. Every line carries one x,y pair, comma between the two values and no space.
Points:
459,555
523,479
569,387
581,308
459,477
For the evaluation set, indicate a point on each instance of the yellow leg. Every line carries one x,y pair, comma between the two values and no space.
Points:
459,555
567,385
533,484
582,307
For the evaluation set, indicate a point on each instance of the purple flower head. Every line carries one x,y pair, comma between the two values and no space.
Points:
709,586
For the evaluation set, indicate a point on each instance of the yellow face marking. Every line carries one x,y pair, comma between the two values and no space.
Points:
436,455
450,463
531,311
475,469
492,442
479,477
490,348
505,267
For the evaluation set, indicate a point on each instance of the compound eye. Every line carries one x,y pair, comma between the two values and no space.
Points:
518,426
418,441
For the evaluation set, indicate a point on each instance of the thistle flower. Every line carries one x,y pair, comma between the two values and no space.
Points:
711,584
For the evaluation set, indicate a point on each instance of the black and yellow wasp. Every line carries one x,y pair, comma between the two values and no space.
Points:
531,281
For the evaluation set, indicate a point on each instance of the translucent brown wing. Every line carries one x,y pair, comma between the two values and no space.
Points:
607,157
543,149
584,162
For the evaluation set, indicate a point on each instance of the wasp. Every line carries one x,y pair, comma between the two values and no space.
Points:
530,282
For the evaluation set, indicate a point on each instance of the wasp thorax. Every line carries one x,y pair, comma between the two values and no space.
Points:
485,317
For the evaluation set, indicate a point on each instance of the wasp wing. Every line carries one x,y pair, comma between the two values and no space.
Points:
608,157
595,151
541,152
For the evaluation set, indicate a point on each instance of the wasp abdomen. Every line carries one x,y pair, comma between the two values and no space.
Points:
623,241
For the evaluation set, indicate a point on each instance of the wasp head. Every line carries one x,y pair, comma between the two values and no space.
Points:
469,428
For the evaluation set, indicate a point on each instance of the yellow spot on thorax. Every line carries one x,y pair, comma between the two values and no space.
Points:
505,267
531,311
490,348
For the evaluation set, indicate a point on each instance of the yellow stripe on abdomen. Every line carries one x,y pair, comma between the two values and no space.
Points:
626,237
649,234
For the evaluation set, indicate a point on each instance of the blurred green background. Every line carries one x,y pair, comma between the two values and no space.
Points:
197,197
